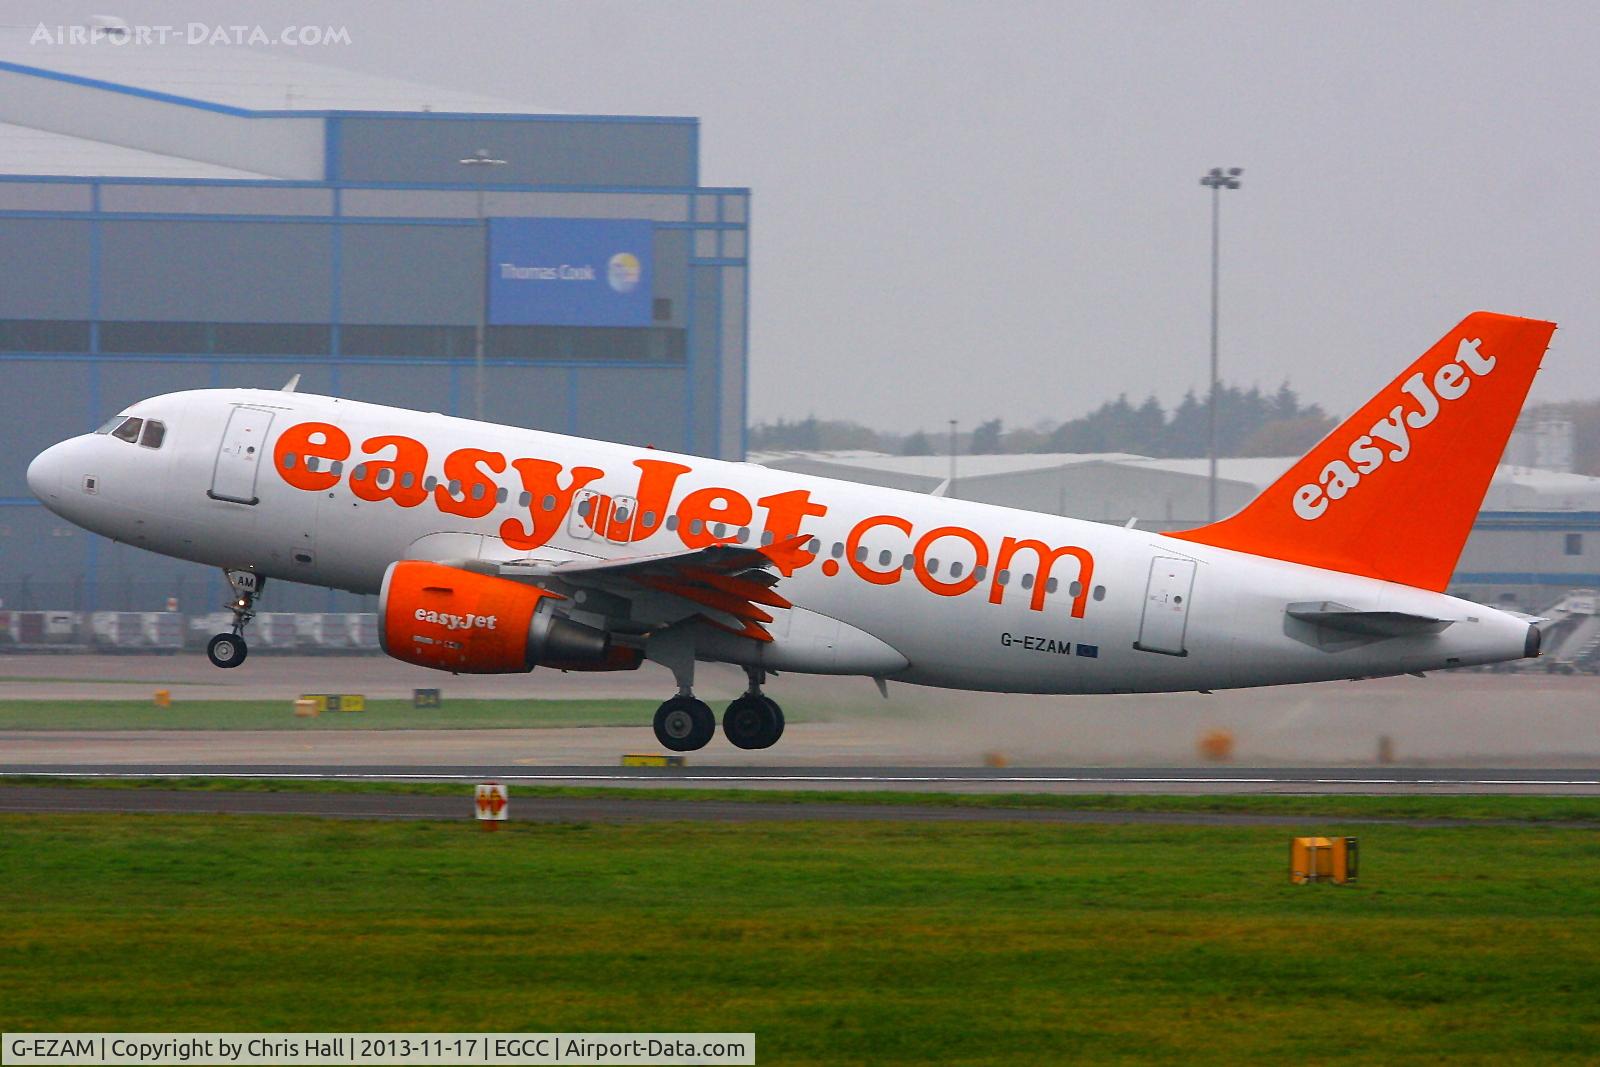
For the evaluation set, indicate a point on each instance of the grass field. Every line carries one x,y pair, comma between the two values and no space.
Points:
279,715
1580,811
836,943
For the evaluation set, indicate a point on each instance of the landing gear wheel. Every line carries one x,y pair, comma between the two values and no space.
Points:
684,724
778,714
753,721
227,650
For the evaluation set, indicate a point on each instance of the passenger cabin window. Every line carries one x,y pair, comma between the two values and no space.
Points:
129,430
154,434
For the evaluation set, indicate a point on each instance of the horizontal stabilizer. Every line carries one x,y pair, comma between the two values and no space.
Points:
1531,620
1366,623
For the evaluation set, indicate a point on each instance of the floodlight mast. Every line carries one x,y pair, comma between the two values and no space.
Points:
1217,180
478,163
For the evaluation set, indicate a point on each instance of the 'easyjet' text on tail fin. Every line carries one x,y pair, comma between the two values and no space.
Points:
1392,493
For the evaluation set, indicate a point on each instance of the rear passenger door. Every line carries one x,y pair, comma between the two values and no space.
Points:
1166,606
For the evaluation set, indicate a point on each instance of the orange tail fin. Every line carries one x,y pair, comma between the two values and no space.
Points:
1393,492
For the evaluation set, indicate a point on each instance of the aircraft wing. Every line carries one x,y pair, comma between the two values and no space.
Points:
727,585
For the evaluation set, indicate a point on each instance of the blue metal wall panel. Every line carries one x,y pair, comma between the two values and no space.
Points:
576,152
42,561
123,383
405,275
424,387
633,408
705,336
47,269
45,404
534,397
216,271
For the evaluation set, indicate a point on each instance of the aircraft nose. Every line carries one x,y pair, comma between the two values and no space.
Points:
44,473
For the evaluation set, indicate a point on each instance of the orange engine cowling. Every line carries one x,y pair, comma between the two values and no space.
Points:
466,623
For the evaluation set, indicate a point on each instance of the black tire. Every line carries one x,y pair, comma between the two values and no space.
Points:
227,650
752,721
684,724
778,714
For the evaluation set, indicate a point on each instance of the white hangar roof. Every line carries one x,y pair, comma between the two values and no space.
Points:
1513,489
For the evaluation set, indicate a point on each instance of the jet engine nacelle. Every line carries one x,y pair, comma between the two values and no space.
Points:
466,623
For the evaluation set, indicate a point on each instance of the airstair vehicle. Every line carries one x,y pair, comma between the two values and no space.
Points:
1572,638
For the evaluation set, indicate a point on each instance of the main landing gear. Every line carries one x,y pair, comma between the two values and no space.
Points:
754,720
229,649
684,724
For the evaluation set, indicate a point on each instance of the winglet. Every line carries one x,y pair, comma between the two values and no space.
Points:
1393,492
789,554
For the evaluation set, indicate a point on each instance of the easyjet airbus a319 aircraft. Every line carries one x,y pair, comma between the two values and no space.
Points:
495,549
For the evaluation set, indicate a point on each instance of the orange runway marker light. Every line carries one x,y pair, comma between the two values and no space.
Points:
1216,746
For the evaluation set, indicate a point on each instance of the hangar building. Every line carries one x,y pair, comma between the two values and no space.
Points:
179,217
1537,537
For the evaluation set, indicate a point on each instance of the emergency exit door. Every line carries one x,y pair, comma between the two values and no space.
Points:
612,517
244,442
1166,606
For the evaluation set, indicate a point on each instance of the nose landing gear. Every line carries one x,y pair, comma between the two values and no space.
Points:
229,649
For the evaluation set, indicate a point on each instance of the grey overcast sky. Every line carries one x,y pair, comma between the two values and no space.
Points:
969,210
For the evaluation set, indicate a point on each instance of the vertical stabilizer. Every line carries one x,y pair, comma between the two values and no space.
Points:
1393,492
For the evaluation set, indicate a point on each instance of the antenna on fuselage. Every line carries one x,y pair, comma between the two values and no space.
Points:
290,385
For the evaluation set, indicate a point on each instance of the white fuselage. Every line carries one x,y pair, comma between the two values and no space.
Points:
914,591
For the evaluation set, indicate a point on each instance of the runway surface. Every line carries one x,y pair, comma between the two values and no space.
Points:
1447,733
613,809
1187,780
1450,719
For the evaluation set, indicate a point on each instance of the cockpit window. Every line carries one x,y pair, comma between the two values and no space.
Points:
111,424
129,430
154,432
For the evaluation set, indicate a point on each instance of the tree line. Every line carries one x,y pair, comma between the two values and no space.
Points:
1249,423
